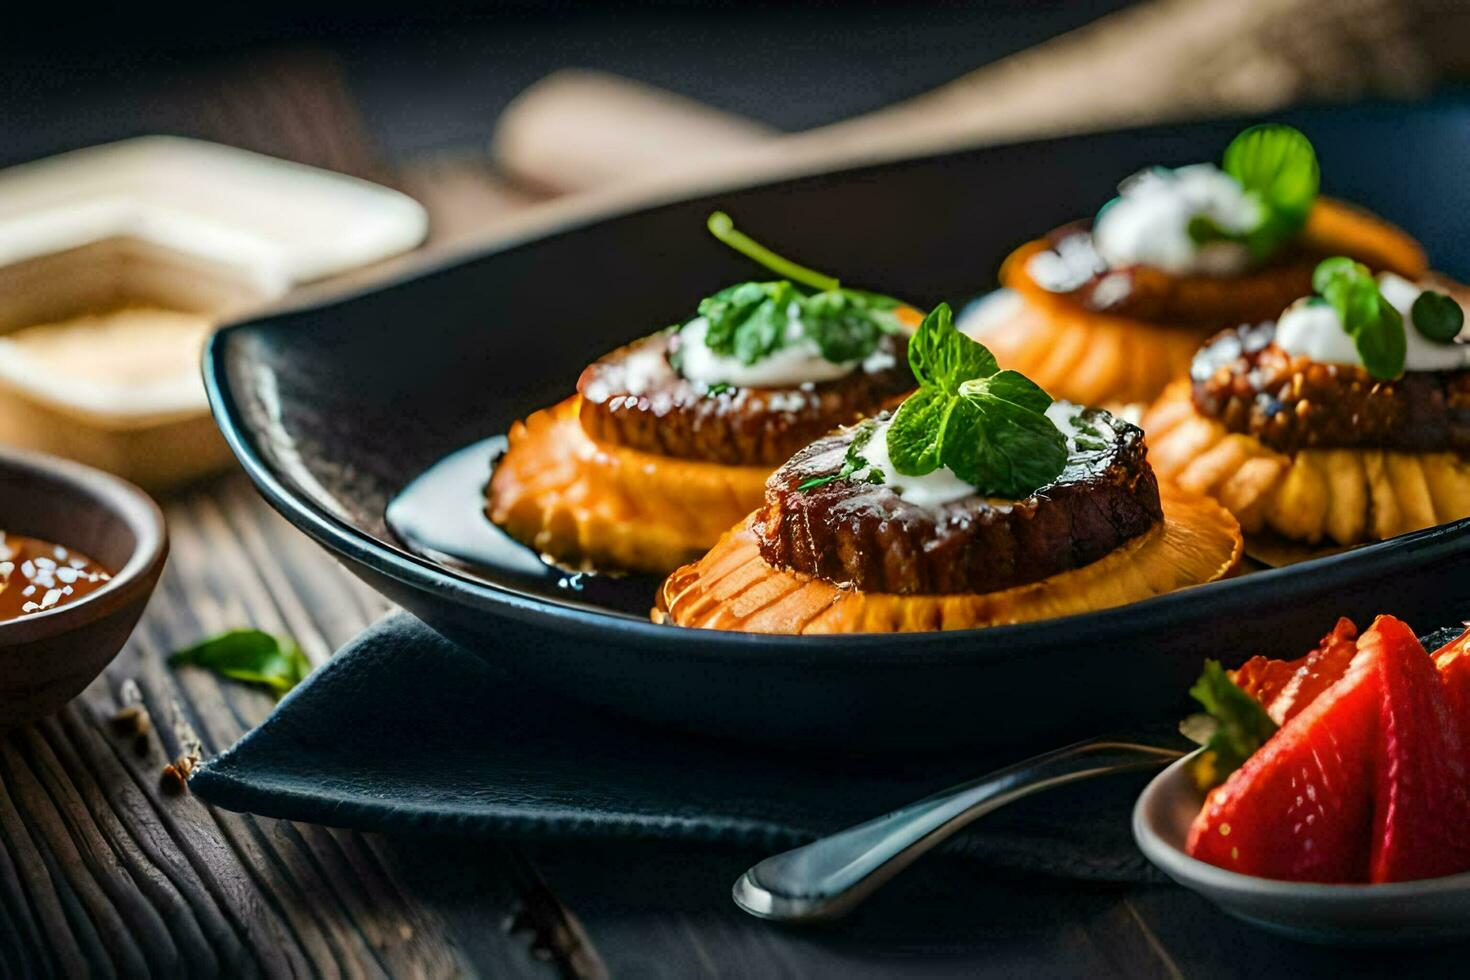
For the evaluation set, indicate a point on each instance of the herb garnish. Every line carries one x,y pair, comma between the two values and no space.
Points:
1437,316
1370,320
1234,726
252,656
852,463
987,425
749,321
1278,168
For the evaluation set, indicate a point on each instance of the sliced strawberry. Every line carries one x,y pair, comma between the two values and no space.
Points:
1285,687
1422,802
1453,661
1300,809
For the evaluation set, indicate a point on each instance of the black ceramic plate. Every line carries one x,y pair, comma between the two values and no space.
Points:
333,409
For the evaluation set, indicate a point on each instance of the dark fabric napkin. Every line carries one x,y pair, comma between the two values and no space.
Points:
402,731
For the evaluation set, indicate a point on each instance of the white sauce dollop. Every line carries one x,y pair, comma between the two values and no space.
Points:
942,485
798,360
1148,223
1311,328
633,375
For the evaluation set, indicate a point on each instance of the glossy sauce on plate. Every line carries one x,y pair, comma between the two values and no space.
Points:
37,576
440,515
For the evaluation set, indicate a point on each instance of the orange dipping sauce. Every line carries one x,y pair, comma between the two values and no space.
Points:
36,576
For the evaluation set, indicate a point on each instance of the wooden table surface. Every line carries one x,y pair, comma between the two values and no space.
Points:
104,871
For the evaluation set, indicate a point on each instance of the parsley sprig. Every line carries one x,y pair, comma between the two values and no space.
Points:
1233,727
853,462
749,321
1277,167
986,425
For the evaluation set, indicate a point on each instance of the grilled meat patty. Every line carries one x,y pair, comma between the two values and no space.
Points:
849,532
633,397
1289,402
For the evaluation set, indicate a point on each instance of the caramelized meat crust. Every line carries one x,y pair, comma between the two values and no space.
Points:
1251,386
1070,267
865,535
633,397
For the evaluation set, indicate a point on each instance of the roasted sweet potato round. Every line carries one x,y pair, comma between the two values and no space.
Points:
1343,496
733,588
589,504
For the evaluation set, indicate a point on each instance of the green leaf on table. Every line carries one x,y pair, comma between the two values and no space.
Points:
1371,321
251,656
1241,726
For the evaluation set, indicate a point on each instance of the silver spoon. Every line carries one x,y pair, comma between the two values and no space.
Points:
828,878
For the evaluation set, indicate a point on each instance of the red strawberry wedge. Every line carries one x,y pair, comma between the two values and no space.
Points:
1300,808
1422,802
1453,661
1285,687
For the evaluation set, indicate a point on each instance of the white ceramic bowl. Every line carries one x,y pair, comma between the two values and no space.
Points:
1403,913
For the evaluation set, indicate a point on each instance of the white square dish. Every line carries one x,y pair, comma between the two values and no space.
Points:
116,261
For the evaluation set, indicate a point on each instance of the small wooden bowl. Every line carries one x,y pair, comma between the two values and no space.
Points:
47,658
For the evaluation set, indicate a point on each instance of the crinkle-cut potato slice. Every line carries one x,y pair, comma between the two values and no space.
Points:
597,505
1342,496
1090,358
732,587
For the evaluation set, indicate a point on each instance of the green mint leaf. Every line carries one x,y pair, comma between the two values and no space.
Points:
1371,321
1012,387
988,426
1278,167
916,434
1437,316
942,357
718,388
250,656
998,439
1330,270
1242,725
818,481
723,228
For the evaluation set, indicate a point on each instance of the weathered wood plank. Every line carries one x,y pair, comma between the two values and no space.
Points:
655,910
103,871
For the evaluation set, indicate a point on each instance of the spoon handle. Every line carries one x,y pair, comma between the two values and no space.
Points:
829,877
